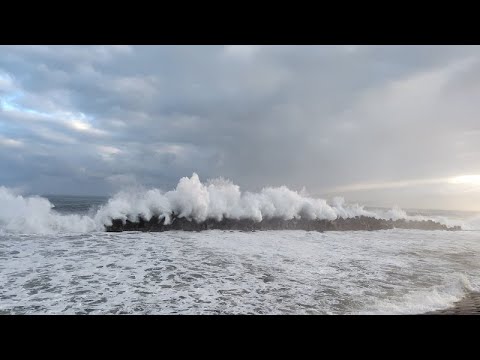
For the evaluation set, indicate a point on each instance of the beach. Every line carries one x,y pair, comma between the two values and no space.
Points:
469,305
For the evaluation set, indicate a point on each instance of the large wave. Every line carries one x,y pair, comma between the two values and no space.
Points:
191,199
35,215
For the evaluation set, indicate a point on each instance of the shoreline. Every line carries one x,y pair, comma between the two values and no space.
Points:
469,305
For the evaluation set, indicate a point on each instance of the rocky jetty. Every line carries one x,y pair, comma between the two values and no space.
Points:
341,224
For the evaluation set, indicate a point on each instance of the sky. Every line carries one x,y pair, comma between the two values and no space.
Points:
380,125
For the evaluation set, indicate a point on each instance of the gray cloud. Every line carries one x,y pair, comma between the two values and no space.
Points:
91,119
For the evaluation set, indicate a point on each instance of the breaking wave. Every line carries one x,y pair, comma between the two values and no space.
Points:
424,300
36,215
193,200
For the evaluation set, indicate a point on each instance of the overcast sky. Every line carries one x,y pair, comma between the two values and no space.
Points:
382,125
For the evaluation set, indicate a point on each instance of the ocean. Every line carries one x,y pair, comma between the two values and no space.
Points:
59,269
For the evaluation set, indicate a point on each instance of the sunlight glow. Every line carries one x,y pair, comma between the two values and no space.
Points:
466,179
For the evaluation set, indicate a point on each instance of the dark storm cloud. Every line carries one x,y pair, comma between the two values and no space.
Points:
91,119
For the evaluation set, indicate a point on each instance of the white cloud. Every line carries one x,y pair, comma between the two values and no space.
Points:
108,152
10,142
84,127
54,136
89,54
7,82
241,51
170,149
143,87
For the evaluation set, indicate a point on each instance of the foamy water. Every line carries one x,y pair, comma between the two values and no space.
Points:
59,259
223,272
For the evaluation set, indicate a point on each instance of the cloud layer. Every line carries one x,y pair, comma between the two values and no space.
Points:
335,119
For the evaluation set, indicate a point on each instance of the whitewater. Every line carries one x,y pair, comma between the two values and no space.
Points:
193,200
63,262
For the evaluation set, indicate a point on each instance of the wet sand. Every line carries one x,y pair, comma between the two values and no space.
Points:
469,305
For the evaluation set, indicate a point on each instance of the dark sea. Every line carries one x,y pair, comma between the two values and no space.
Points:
69,204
